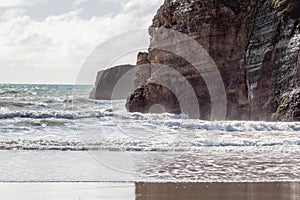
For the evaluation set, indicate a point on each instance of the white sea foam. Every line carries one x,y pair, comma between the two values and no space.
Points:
51,114
163,147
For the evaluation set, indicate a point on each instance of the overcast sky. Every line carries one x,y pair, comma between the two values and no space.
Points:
47,41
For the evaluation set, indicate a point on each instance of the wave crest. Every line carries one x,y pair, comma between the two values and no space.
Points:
49,114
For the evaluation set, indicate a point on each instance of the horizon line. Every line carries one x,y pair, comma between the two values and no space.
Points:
16,83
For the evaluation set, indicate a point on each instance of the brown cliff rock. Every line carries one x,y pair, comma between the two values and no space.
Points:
255,49
221,29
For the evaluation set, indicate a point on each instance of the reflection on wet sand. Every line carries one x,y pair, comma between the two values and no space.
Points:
218,191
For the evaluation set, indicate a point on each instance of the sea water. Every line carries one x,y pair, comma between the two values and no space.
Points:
56,133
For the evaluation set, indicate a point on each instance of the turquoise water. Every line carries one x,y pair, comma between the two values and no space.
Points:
65,136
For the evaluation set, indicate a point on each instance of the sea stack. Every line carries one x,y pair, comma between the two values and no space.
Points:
114,83
255,45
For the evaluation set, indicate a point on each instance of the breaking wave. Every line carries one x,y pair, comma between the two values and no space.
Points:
144,146
21,104
50,114
183,122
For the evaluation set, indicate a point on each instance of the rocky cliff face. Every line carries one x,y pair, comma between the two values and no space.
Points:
114,83
272,64
255,46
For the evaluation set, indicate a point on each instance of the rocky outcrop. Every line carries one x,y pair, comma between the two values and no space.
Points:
114,83
222,30
255,46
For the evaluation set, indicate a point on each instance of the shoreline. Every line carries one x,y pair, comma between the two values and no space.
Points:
152,182
147,191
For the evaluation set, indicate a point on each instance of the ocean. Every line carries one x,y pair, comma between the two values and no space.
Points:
56,133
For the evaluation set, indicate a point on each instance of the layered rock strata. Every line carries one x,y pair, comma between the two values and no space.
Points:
272,65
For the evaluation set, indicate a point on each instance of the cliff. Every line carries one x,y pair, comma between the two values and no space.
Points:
254,44
114,83
272,61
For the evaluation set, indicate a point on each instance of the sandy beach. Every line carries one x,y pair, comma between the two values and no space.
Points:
150,191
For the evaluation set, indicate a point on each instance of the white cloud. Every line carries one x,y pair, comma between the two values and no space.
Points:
53,50
14,3
140,5
79,2
12,13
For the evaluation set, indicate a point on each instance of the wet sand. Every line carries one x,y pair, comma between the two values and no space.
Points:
150,191
218,191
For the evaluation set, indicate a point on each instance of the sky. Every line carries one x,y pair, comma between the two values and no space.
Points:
48,41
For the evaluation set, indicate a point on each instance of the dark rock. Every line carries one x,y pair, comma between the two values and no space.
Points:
146,99
114,83
272,63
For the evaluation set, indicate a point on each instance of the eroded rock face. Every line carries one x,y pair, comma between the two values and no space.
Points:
272,65
222,30
143,70
255,49
114,83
